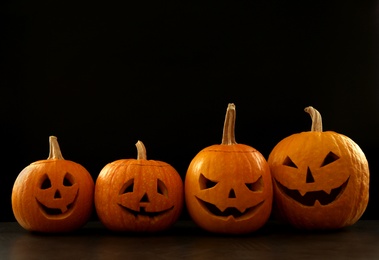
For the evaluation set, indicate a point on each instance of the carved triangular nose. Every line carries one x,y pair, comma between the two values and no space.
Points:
57,195
310,178
232,194
145,198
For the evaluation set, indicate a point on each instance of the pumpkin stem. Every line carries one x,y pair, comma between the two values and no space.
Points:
55,151
141,151
316,119
228,135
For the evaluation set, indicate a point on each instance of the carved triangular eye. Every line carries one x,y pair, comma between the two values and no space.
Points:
256,186
289,162
161,188
128,187
330,157
206,183
68,180
46,183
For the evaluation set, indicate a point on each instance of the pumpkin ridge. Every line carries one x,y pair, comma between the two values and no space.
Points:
232,151
149,165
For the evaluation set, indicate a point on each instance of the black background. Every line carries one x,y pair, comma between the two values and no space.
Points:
101,75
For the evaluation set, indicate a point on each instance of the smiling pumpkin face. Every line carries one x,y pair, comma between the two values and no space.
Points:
220,197
228,186
228,189
53,195
145,201
138,195
56,195
320,180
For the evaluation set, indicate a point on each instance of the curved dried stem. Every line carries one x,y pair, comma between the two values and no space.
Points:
228,135
55,151
141,151
316,119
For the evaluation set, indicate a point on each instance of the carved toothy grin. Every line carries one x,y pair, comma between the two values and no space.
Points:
143,212
230,211
56,212
310,198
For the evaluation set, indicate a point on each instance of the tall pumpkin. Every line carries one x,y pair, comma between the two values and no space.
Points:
138,195
53,195
320,179
228,187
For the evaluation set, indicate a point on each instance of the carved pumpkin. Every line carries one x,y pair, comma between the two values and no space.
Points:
53,195
138,195
228,186
321,179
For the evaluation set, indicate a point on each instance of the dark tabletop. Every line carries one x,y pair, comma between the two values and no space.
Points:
185,240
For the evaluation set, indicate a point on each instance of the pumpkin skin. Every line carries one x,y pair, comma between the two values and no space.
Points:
228,186
138,195
320,179
53,195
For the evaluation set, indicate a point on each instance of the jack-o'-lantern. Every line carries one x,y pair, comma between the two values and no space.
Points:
138,195
320,179
228,186
53,195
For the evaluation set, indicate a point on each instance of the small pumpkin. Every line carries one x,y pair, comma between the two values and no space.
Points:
138,195
53,195
228,186
321,178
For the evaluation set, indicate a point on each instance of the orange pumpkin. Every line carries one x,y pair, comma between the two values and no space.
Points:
53,195
228,186
321,179
138,195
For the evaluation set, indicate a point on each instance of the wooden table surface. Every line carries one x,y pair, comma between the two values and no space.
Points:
186,241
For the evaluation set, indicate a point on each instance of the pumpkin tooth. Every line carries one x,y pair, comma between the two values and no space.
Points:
302,192
328,191
64,209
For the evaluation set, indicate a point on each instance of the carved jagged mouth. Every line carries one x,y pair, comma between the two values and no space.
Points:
310,198
55,211
143,212
230,211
